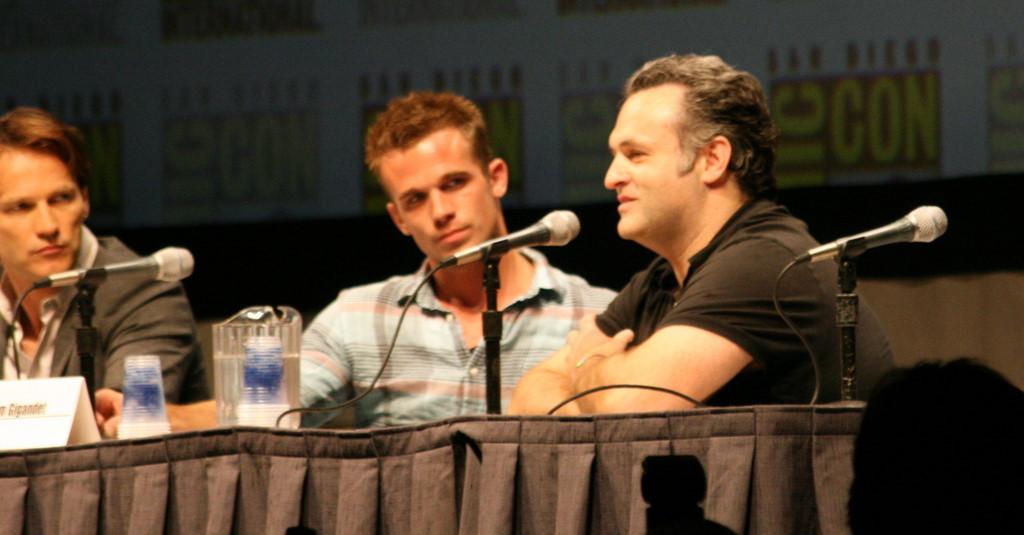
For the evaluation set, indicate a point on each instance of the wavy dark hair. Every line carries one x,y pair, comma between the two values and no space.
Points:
37,130
720,100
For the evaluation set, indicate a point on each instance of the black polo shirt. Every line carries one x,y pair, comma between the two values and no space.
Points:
728,291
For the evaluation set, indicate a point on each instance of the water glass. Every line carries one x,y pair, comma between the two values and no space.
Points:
143,413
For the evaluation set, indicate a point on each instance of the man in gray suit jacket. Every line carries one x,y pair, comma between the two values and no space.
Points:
43,205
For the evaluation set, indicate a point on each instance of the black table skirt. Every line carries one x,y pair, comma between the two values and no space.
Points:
774,469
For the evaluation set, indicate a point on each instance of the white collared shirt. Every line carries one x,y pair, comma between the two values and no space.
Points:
54,309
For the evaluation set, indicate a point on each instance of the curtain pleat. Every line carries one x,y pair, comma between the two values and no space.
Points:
204,482
833,466
783,498
417,481
490,459
623,442
14,489
134,488
555,463
80,491
723,442
342,491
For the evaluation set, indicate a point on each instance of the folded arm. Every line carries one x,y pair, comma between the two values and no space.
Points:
688,360
553,380
685,359
545,386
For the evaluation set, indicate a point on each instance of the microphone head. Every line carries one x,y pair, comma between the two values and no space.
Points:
929,223
173,263
563,225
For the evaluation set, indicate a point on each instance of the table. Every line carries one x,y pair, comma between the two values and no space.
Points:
770,469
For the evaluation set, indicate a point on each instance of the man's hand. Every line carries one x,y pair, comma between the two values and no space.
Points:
201,415
109,403
108,411
581,343
552,381
583,376
590,342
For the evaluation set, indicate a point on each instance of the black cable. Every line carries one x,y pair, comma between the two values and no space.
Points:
387,357
807,345
572,398
9,335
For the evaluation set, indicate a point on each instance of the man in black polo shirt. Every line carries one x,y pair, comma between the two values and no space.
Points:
693,152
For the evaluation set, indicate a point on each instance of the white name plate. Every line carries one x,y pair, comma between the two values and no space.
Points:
42,413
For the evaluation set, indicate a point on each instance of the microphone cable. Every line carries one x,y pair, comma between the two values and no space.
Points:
380,372
792,327
9,341
574,397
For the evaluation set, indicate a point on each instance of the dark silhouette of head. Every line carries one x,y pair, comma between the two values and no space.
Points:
673,487
940,450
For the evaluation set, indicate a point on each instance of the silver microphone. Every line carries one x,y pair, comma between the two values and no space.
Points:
557,228
924,224
168,264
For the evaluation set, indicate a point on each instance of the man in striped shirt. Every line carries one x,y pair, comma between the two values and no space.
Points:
431,154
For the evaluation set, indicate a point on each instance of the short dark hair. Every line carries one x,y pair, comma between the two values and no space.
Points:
410,118
720,100
37,130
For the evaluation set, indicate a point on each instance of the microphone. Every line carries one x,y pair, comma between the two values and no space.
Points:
924,224
168,264
557,228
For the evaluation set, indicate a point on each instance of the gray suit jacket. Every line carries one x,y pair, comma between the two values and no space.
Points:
135,316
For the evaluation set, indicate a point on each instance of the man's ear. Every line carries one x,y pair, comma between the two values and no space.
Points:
714,160
396,218
85,204
498,171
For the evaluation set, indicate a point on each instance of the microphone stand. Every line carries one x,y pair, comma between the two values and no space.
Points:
846,320
492,334
86,338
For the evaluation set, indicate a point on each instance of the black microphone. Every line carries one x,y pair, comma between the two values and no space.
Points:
924,224
168,264
557,228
